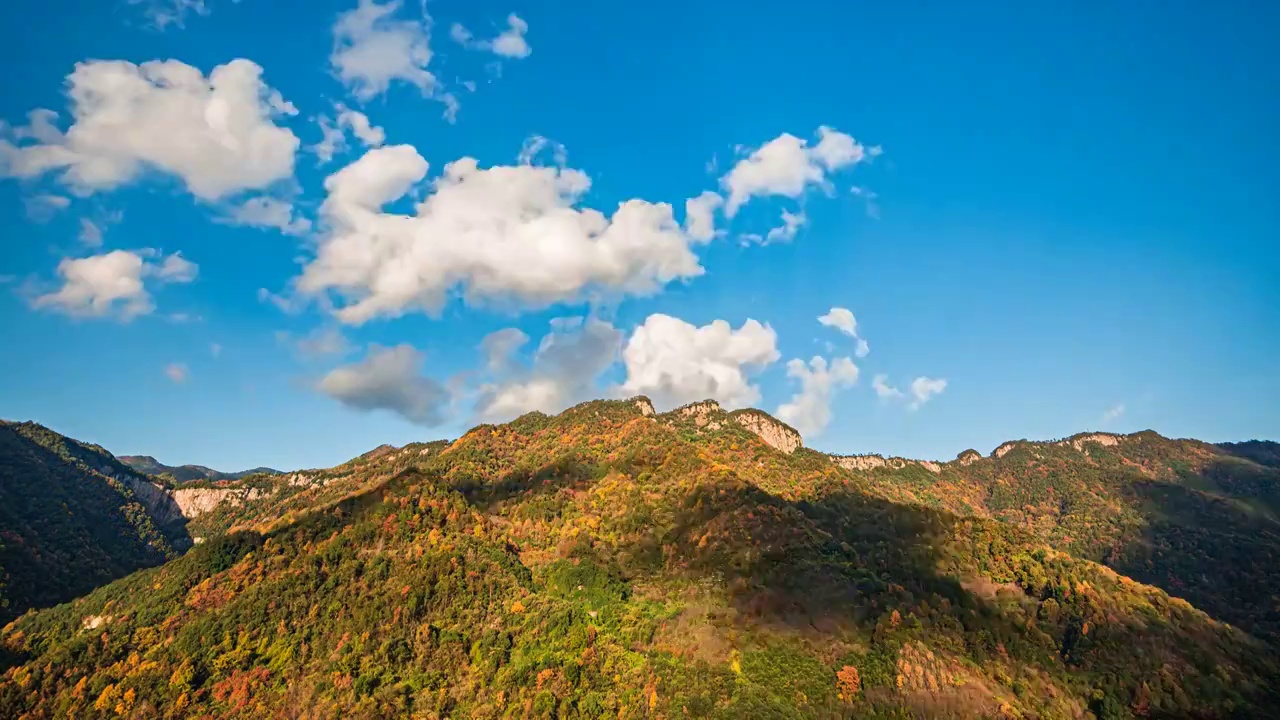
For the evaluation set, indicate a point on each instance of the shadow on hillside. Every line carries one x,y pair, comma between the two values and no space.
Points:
548,479
849,561
66,531
1219,553
1263,452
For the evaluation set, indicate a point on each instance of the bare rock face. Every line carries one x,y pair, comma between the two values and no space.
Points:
1004,449
1100,438
644,406
871,462
155,498
860,462
772,431
700,411
969,457
194,502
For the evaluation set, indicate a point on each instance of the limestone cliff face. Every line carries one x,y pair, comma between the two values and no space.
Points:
644,405
860,462
154,498
708,415
1079,441
871,462
969,457
1004,449
769,429
194,502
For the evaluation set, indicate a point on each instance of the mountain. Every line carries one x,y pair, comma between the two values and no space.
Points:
185,473
611,561
73,518
1200,521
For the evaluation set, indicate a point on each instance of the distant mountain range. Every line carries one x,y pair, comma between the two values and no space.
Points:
187,473
612,561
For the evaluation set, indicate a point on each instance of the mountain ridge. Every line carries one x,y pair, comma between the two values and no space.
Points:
613,561
185,473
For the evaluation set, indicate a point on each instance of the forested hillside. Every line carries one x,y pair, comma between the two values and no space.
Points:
608,563
73,518
1200,521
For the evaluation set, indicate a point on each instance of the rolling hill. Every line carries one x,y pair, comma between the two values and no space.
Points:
610,561
186,473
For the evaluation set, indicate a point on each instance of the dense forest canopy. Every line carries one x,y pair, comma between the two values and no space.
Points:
605,562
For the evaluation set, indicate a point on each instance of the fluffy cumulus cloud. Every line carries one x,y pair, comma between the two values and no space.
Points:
334,132
788,165
700,216
372,49
809,410
675,362
269,212
216,134
563,370
842,319
391,379
506,234
113,284
510,43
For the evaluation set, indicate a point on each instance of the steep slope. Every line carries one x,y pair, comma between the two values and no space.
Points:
611,562
186,473
73,518
1201,521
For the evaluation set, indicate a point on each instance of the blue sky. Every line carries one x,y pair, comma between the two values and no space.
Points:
1071,222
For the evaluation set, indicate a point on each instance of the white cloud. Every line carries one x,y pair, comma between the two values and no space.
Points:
372,50
842,319
269,212
216,134
836,149
788,165
700,215
112,284
41,208
215,349
510,43
177,269
334,132
923,389
176,372
162,14
90,233
563,371
498,347
1112,414
885,391
389,379
786,232
506,234
809,410
675,362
